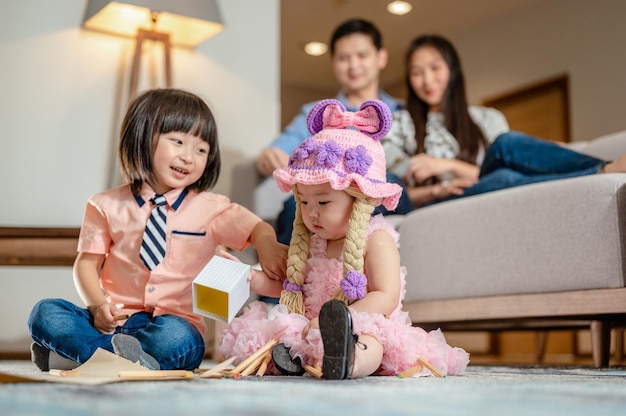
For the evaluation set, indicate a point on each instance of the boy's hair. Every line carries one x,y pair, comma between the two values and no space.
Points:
352,26
161,111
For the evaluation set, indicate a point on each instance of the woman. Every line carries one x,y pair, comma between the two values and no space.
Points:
445,149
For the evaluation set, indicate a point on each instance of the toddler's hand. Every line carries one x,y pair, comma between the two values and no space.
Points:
103,317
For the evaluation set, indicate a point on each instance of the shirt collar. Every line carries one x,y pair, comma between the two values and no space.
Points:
173,197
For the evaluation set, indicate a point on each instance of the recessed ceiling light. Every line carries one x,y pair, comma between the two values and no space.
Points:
315,48
399,7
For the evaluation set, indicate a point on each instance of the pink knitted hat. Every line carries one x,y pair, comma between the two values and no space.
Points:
340,156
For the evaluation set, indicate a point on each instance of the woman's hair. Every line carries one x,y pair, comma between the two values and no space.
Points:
352,26
454,105
353,248
161,111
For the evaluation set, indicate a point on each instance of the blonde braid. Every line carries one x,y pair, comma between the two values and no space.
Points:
296,262
354,243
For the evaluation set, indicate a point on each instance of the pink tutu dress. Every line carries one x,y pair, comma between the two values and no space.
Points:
403,343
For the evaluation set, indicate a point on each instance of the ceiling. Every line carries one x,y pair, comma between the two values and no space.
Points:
314,20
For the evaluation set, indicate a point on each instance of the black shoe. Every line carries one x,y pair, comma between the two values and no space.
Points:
284,363
40,356
336,328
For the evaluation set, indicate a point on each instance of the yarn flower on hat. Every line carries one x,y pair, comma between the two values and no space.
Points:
304,150
358,160
354,285
329,154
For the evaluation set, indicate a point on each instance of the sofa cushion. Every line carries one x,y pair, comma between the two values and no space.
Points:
546,237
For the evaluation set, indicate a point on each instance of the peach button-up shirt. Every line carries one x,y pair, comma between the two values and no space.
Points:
197,223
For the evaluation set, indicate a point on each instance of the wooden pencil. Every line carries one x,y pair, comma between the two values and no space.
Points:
315,372
254,365
245,363
430,367
152,374
263,368
217,371
411,371
64,373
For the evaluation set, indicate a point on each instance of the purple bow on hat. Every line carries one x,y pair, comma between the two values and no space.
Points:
365,120
373,118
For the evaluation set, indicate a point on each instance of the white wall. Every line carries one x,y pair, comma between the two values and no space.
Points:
582,38
63,92
547,38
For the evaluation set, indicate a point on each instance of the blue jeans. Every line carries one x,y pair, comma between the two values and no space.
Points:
68,330
284,222
515,159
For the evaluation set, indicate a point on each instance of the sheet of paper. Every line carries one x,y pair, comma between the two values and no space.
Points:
103,367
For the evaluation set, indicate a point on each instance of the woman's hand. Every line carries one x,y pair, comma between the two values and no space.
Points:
452,187
423,167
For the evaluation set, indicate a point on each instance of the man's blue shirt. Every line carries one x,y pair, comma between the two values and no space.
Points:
297,131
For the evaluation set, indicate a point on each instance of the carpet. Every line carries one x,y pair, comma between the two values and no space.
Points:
481,390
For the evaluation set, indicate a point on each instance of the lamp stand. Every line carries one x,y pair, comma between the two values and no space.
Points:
143,35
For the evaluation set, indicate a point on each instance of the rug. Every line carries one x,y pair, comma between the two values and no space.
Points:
481,390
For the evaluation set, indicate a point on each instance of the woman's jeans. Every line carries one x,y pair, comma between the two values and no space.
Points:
515,159
68,330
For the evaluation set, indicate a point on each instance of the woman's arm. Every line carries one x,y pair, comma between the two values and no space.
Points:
423,167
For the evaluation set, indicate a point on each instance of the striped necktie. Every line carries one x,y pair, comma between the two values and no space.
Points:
153,244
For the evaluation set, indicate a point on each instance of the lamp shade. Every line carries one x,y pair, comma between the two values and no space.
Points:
187,22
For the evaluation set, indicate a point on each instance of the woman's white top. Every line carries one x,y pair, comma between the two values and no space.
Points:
400,144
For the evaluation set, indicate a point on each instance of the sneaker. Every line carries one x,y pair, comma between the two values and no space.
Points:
40,356
281,358
45,359
338,339
129,347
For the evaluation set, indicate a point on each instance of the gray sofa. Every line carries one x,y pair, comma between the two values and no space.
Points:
542,256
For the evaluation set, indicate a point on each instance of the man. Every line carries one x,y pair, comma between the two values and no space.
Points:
357,57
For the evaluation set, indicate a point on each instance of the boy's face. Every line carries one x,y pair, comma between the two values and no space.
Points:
357,63
179,160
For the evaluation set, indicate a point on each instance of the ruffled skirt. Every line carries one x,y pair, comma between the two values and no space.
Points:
402,343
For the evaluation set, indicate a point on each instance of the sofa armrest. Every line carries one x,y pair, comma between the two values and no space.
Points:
257,193
608,147
560,235
245,179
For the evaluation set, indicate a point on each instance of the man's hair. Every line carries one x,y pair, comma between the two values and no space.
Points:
353,26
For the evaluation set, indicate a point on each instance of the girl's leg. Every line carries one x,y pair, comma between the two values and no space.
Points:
66,329
528,155
170,339
368,354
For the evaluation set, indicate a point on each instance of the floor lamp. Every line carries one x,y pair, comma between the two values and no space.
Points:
185,23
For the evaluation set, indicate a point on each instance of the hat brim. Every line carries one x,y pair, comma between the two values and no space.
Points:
388,193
